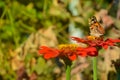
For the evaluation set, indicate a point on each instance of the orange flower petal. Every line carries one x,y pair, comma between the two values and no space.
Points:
72,57
48,52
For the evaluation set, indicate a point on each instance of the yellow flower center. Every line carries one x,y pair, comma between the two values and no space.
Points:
91,37
68,46
94,38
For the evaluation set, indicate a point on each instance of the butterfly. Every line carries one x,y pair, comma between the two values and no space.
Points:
96,29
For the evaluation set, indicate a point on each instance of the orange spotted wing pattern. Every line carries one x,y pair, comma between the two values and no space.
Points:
95,28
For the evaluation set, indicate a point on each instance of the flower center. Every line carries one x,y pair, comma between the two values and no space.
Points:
68,47
91,37
94,38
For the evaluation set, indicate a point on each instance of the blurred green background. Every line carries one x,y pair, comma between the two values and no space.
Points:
27,24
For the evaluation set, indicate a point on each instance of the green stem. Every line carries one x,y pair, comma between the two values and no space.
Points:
68,72
94,68
45,6
118,76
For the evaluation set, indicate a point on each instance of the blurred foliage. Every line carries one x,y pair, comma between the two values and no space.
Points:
20,18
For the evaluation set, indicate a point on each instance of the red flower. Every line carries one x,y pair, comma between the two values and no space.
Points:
70,51
109,42
89,51
48,52
91,41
